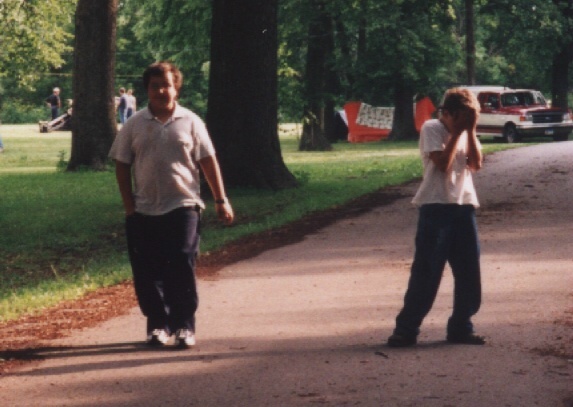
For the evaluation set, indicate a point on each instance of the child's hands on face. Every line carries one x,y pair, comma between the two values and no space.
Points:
465,120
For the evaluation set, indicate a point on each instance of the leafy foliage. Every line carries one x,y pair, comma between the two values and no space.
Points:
34,34
521,38
15,112
418,47
422,42
175,30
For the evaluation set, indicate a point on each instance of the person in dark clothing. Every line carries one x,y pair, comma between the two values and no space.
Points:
122,107
447,230
54,103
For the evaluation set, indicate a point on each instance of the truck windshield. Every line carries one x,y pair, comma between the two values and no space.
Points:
522,99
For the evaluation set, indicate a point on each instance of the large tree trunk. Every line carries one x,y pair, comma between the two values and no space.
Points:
403,127
242,114
362,24
93,118
470,43
316,74
347,54
331,85
561,62
560,77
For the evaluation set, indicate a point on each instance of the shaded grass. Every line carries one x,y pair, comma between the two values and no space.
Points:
62,233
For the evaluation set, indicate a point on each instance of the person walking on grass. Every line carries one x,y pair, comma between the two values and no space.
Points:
54,103
165,146
122,105
447,230
131,104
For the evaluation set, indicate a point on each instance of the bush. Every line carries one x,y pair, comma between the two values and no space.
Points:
18,113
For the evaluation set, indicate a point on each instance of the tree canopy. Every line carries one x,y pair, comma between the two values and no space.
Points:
34,37
380,52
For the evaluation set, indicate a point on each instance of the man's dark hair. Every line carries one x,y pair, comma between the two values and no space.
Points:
160,69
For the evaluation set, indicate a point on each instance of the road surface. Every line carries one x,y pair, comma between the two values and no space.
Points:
305,324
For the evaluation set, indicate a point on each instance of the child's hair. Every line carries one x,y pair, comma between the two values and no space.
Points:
458,99
160,69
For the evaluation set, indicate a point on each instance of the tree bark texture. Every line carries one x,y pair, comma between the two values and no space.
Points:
562,61
316,78
331,83
403,127
560,76
470,43
242,115
94,122
347,54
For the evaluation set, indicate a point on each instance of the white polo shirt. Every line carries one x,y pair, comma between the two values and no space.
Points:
164,158
452,187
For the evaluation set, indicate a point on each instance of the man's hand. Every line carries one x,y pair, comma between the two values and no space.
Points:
123,177
225,212
210,167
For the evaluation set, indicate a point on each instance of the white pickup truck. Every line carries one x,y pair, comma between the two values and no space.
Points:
515,113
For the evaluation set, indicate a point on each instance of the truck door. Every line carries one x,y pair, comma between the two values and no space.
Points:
490,104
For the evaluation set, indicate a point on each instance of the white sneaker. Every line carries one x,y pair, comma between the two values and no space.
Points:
185,338
158,337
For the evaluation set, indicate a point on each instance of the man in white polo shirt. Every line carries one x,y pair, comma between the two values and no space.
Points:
159,153
447,230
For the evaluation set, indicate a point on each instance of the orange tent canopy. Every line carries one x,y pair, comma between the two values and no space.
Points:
358,133
424,109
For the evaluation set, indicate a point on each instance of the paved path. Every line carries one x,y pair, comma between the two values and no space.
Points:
305,324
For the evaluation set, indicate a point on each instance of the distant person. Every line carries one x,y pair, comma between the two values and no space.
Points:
423,110
54,103
122,105
447,230
158,155
1,145
131,104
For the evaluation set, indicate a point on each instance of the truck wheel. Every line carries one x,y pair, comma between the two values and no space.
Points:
510,134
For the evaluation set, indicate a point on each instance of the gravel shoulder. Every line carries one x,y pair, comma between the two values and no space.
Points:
300,316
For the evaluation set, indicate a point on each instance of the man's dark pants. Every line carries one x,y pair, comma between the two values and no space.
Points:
446,233
163,251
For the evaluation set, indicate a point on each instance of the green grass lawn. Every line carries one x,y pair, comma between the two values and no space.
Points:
62,233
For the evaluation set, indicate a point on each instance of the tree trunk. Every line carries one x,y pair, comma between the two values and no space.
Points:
93,117
331,85
403,127
470,43
347,54
313,131
242,111
362,24
560,77
561,62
